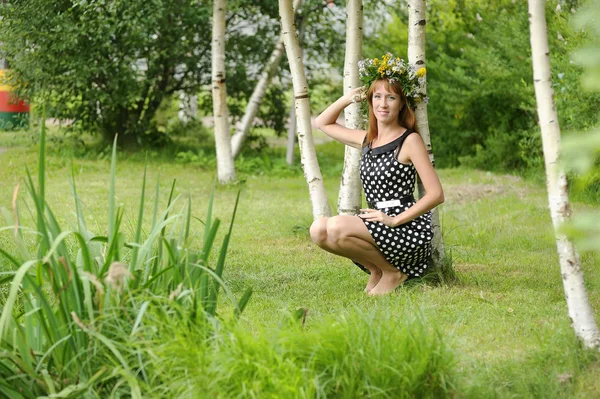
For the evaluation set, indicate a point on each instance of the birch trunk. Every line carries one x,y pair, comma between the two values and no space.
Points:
308,155
188,107
416,57
225,165
289,155
580,311
291,143
349,199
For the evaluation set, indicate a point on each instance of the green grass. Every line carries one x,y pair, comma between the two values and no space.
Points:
505,320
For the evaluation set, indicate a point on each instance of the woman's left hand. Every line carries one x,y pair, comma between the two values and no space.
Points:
373,215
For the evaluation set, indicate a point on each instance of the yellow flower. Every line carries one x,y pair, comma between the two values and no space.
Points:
376,61
421,72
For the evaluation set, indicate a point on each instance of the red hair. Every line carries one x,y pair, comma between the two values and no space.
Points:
406,116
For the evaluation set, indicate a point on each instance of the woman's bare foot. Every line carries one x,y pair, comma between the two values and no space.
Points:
388,283
373,280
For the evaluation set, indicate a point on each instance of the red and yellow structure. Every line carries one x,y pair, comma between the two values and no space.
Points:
13,111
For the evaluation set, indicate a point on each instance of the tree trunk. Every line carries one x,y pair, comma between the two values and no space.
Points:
289,156
580,311
188,107
312,173
349,199
416,58
291,143
225,165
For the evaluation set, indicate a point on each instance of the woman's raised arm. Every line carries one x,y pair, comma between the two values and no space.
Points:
327,121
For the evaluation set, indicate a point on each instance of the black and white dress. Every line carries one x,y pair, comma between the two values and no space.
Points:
384,178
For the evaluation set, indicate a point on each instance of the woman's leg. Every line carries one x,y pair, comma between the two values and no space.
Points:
318,233
348,236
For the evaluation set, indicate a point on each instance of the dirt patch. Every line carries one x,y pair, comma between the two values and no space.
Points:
2,150
494,186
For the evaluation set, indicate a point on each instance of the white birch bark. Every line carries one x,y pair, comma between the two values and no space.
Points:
291,143
580,310
256,98
349,199
416,57
188,107
308,155
225,165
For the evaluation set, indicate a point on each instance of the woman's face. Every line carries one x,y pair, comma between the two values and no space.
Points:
386,104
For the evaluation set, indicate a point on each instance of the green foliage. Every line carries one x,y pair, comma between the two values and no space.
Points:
77,301
479,79
581,153
352,355
107,65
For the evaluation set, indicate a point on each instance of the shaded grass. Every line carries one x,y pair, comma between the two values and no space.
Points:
506,318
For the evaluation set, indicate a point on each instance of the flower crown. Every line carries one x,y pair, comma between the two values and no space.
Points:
395,70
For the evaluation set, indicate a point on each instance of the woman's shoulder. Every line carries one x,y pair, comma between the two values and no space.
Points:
412,136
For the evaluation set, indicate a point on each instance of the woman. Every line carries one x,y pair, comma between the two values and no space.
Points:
391,239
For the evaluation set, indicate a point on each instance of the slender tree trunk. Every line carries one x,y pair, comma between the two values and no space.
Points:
416,58
349,197
580,311
188,107
225,165
291,143
308,154
237,141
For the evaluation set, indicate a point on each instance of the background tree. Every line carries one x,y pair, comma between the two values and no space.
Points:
107,65
580,310
308,155
417,20
349,198
225,165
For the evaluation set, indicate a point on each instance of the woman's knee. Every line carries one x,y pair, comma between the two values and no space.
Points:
337,228
318,231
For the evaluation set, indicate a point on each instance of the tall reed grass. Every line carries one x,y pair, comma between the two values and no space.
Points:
77,301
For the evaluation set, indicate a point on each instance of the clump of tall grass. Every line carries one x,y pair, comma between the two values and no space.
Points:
354,355
77,301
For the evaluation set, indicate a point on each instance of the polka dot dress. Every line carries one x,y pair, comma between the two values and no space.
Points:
384,178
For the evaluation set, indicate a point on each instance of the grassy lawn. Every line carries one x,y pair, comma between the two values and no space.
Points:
505,319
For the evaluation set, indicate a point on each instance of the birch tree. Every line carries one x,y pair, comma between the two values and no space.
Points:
188,107
580,311
256,98
308,155
291,141
349,199
225,165
416,57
